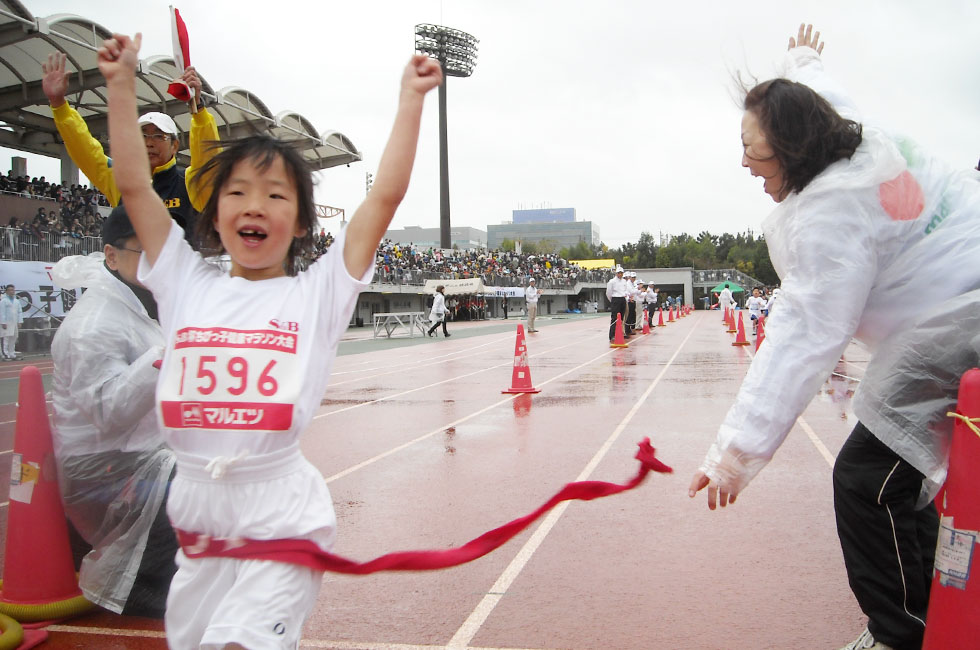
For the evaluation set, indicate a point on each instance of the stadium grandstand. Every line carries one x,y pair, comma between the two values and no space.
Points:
43,220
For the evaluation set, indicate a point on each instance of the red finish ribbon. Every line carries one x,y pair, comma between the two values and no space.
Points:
305,553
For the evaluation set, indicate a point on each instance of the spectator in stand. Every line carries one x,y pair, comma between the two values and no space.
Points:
160,135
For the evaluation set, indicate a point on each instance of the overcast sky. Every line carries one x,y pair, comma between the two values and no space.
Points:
623,110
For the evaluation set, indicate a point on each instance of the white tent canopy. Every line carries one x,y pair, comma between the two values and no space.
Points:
455,287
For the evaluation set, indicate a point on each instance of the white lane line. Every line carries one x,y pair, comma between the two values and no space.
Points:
423,363
107,631
414,359
353,645
479,615
812,435
442,428
305,643
439,383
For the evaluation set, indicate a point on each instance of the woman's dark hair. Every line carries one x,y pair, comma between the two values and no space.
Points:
262,150
803,129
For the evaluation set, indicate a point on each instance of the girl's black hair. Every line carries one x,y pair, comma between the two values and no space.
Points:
262,150
803,129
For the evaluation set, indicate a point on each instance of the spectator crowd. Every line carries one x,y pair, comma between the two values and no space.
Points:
410,264
51,233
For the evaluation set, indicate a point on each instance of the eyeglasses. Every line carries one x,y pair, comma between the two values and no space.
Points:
156,137
131,250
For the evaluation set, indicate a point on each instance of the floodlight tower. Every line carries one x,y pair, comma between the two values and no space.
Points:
456,52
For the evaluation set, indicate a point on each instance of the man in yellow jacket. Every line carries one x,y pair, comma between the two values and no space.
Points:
161,136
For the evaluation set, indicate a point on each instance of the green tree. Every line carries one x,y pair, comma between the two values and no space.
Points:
579,251
547,246
645,251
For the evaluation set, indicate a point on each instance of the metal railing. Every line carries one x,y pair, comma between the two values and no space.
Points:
28,246
417,277
712,277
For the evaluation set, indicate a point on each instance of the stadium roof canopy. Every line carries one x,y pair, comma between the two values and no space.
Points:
26,41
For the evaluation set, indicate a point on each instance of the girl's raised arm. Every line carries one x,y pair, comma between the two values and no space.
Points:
118,58
372,218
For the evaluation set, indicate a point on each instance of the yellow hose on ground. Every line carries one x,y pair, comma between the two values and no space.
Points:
12,633
46,611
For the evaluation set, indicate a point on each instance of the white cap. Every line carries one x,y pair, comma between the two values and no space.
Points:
531,280
619,269
162,121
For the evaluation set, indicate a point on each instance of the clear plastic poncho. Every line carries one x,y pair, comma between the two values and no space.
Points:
112,467
882,248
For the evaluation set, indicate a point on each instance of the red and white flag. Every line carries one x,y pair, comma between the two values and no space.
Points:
182,54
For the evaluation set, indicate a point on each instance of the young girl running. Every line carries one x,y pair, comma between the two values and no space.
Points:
249,355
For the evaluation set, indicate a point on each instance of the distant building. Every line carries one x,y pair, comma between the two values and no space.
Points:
461,236
564,234
544,215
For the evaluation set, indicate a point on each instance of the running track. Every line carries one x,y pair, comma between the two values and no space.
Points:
421,450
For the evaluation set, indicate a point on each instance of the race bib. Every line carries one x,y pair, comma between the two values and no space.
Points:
219,378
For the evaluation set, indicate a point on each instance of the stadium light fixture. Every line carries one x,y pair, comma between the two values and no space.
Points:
456,51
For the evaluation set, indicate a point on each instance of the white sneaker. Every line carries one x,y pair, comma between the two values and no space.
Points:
866,642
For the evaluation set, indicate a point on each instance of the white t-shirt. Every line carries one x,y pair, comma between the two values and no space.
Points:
247,362
755,306
531,295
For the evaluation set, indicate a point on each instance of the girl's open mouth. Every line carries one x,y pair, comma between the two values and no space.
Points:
252,236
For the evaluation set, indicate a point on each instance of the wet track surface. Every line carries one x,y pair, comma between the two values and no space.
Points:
421,450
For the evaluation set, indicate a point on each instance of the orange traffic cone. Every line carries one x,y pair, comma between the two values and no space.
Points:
670,314
760,334
619,340
521,380
661,321
725,317
740,337
954,598
646,321
39,582
731,321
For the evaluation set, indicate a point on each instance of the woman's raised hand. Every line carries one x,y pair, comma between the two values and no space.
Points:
806,38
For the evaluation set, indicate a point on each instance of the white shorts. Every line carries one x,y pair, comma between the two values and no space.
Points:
256,603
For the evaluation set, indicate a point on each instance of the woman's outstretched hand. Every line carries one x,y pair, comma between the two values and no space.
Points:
806,38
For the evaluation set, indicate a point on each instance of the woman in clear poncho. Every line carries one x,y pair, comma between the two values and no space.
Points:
113,468
868,219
